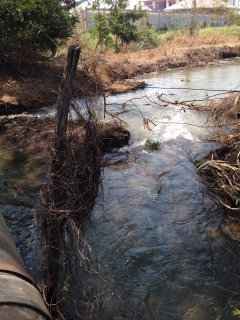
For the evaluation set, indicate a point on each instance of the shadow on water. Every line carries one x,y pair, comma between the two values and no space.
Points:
21,174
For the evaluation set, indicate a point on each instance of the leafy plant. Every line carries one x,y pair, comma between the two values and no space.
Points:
118,22
31,26
66,285
199,162
216,309
149,37
233,17
101,30
153,145
160,187
122,21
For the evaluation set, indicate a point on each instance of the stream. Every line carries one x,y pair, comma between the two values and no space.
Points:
158,229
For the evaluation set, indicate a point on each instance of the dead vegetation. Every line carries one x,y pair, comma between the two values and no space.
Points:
221,169
223,110
36,85
67,199
37,132
66,202
222,172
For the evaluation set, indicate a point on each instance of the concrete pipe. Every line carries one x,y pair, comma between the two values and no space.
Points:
19,296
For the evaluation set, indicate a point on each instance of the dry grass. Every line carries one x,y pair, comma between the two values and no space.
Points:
223,110
222,172
216,39
177,42
175,49
222,168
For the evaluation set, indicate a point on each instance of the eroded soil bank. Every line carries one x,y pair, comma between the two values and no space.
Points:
34,86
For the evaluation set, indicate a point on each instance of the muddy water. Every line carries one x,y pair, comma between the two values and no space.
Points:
158,229
21,176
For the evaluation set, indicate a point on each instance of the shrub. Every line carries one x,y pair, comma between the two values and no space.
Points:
153,145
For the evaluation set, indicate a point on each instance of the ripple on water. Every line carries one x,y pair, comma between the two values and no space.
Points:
167,249
167,264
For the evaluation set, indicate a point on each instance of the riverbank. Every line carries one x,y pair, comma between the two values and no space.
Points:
37,132
34,86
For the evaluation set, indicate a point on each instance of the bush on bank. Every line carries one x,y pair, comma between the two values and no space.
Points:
31,26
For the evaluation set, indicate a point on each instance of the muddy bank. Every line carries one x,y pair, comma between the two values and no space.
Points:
189,58
35,86
38,132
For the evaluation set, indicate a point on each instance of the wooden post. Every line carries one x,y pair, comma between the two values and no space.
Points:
52,229
65,91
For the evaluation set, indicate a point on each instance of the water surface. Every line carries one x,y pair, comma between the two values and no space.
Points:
157,229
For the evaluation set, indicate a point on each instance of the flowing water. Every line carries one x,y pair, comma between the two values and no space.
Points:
158,230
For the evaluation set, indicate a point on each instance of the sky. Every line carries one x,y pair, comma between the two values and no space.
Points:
132,3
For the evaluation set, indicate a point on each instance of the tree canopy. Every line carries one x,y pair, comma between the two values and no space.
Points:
27,26
118,22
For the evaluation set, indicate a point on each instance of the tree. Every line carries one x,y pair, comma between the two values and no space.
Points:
121,22
27,26
118,22
233,17
101,31
218,12
192,18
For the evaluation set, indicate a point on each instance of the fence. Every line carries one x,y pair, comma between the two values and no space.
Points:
161,20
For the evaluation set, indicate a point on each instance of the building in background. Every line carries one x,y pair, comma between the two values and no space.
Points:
207,6
235,3
159,5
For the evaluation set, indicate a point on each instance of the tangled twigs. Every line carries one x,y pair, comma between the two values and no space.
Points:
225,179
146,123
68,196
66,202
67,199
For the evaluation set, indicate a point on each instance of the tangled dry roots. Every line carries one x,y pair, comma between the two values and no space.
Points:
222,172
74,177
222,110
66,203
224,178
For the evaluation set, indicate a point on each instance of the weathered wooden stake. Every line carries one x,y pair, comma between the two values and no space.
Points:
65,91
54,231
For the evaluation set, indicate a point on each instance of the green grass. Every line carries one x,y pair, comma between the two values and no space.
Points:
198,162
83,37
217,33
151,144
233,31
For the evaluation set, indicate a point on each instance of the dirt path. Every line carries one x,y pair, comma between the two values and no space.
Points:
35,85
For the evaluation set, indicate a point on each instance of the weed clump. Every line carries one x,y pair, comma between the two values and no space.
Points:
151,144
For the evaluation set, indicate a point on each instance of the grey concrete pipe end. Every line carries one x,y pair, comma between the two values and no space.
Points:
19,298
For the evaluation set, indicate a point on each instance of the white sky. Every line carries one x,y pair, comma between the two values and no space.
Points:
132,3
